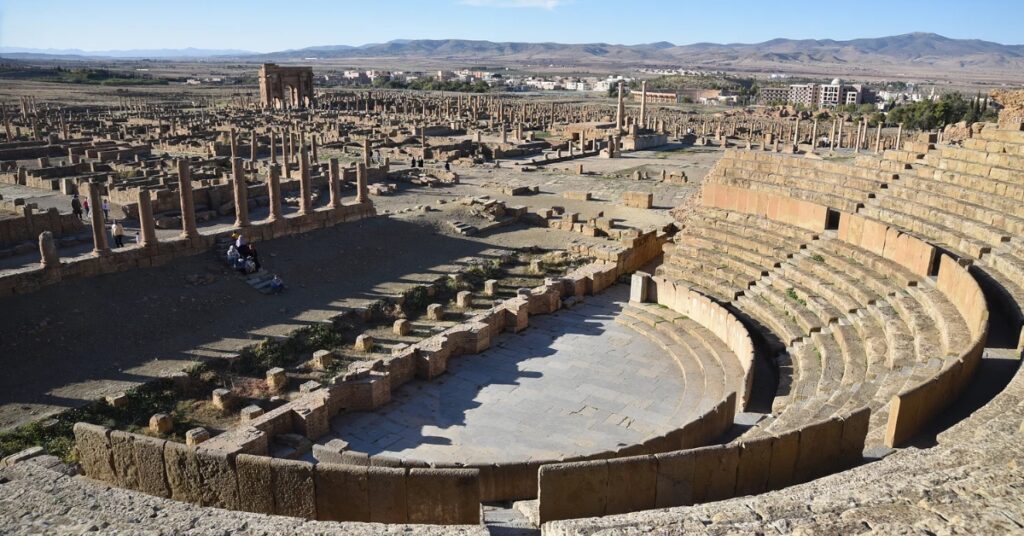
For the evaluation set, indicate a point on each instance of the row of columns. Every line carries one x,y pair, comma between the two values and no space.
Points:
189,230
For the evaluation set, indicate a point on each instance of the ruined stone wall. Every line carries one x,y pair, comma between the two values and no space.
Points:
238,481
693,476
29,280
1012,114
28,226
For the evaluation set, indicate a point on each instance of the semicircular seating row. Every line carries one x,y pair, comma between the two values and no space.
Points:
966,199
851,328
862,303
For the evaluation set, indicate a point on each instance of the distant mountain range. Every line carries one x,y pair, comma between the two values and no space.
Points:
914,50
158,53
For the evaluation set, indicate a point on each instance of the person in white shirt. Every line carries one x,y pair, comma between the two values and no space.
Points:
118,231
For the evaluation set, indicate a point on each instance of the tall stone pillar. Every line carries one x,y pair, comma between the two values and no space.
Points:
878,138
366,152
48,256
99,231
335,184
316,158
619,110
188,204
252,146
305,195
234,142
643,104
362,187
273,149
274,192
814,134
287,150
899,137
241,193
146,219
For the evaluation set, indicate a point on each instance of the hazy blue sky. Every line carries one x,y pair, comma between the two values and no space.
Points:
260,25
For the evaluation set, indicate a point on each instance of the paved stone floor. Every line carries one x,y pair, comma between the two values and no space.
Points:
574,382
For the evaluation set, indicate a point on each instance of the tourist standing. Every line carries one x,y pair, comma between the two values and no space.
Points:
85,207
106,209
118,231
76,206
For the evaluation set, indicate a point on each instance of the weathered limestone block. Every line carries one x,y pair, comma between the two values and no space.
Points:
161,423
118,400
674,480
183,475
435,312
277,380
123,455
293,487
401,327
490,287
784,455
255,484
464,299
219,481
364,343
754,466
196,436
322,359
577,196
387,495
443,496
149,462
249,413
342,492
632,484
312,416
570,490
714,473
371,392
222,399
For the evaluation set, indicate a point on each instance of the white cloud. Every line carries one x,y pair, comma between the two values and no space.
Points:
542,4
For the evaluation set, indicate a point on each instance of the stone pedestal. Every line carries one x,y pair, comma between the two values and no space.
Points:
48,256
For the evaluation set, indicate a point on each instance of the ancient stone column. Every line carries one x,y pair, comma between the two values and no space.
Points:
878,138
814,135
366,152
234,142
504,134
188,210
335,184
796,133
305,195
241,193
899,137
48,256
832,137
146,219
273,149
839,136
274,192
619,110
362,186
99,230
643,104
287,149
313,142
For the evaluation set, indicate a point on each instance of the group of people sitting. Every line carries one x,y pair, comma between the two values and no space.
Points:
243,257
